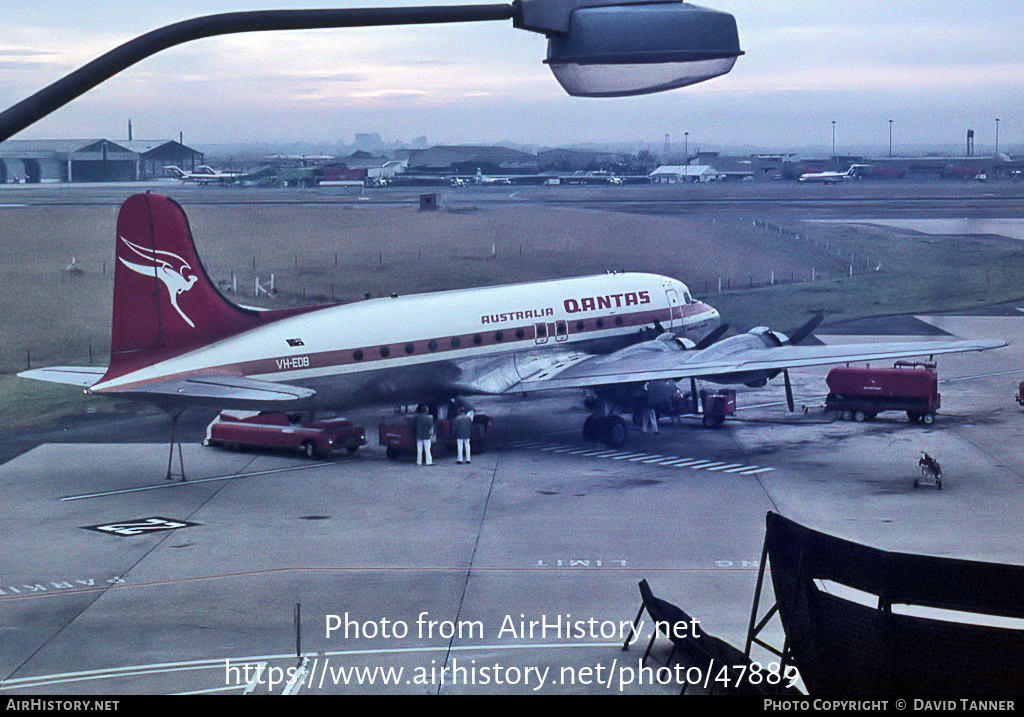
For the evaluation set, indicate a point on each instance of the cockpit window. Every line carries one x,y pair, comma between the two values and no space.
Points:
687,298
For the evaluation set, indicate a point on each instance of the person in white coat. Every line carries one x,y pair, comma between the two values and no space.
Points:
463,430
424,427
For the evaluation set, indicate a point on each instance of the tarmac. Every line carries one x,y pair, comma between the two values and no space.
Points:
517,574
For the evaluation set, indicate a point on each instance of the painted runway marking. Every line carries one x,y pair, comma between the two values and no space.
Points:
260,667
295,683
50,586
981,375
140,526
193,482
218,665
640,457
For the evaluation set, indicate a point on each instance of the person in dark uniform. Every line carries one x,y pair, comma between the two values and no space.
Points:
424,427
650,415
463,429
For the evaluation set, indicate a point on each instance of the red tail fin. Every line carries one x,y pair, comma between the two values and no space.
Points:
164,303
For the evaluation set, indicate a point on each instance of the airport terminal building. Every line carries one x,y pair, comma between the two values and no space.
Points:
31,161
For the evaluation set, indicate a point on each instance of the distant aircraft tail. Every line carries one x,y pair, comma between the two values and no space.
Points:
164,302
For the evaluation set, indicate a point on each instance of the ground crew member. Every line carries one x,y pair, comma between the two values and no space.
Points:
463,433
465,405
650,415
424,427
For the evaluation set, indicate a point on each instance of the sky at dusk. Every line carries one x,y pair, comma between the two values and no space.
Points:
935,68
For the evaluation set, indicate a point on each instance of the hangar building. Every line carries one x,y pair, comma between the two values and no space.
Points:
33,161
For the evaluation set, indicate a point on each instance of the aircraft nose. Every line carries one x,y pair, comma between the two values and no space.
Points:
715,319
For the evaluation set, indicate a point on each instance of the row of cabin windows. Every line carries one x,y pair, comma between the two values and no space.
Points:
499,336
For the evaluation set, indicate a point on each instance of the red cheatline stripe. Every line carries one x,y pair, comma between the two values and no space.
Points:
371,355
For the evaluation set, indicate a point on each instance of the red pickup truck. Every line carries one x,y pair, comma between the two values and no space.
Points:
314,437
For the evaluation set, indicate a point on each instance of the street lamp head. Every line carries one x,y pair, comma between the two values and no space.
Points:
615,50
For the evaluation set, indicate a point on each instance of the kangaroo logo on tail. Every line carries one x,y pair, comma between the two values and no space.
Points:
168,267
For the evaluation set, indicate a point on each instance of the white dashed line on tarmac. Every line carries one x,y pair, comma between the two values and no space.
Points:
644,458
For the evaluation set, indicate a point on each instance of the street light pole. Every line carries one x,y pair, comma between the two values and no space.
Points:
997,135
833,139
890,139
596,48
56,95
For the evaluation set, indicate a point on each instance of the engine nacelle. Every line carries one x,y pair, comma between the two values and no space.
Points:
770,338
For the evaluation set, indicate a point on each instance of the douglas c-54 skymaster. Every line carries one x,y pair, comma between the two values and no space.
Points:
177,342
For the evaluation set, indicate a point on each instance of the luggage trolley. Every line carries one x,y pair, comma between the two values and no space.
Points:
931,472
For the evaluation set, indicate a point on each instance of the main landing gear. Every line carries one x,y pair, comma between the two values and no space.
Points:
609,430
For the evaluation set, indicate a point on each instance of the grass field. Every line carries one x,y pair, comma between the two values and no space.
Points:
320,252
906,273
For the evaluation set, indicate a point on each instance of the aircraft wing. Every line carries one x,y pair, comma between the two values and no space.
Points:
660,360
216,391
83,376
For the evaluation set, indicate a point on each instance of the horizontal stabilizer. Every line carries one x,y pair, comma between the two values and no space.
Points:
83,376
224,392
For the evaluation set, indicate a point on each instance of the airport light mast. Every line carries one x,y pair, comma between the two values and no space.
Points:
596,48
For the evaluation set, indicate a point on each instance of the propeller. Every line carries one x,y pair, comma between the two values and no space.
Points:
804,331
711,338
797,336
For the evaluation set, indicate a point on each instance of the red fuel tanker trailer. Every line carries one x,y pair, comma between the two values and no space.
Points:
862,393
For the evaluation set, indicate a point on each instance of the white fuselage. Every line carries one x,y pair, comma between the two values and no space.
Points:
825,177
480,340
